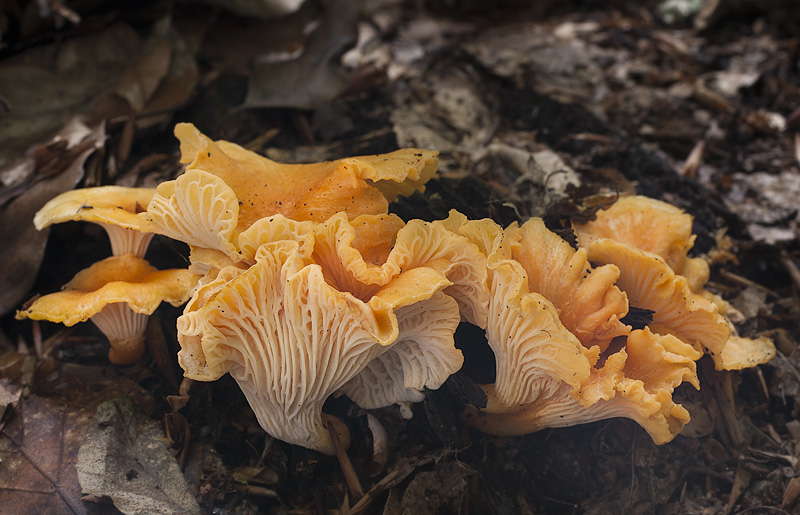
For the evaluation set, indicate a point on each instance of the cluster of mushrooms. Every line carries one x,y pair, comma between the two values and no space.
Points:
302,285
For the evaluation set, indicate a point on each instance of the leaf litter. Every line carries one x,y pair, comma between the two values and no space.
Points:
565,103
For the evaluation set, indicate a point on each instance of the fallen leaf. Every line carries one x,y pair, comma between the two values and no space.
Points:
46,85
176,87
317,76
124,458
9,397
23,244
144,72
39,449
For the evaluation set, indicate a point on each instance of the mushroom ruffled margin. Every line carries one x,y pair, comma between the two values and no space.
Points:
310,288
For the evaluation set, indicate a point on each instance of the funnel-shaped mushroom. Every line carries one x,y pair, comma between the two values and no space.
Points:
117,294
545,376
226,189
290,339
635,383
653,226
114,208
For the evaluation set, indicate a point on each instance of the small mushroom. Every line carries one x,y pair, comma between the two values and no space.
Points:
117,294
653,226
114,208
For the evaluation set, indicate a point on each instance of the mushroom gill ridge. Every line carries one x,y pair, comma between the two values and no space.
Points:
291,338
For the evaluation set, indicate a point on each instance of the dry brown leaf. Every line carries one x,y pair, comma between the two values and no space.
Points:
24,244
124,457
39,449
317,76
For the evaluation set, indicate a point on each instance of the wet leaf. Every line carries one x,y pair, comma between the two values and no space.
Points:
124,457
144,72
9,397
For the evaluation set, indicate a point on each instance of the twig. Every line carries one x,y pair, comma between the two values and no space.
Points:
402,470
743,281
788,264
353,484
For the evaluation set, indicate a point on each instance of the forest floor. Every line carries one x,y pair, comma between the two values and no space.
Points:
532,109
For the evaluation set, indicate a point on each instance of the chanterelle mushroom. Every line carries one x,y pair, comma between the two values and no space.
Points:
114,208
636,382
117,294
589,303
226,189
376,255
649,240
545,377
653,226
290,339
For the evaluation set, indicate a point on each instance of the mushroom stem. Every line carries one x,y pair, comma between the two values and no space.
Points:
380,441
124,329
127,241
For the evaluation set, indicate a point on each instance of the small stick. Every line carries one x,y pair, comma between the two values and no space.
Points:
353,484
694,161
743,281
790,267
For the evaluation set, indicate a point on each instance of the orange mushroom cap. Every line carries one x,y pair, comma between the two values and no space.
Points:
356,185
117,294
651,284
589,304
653,226
115,208
226,189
